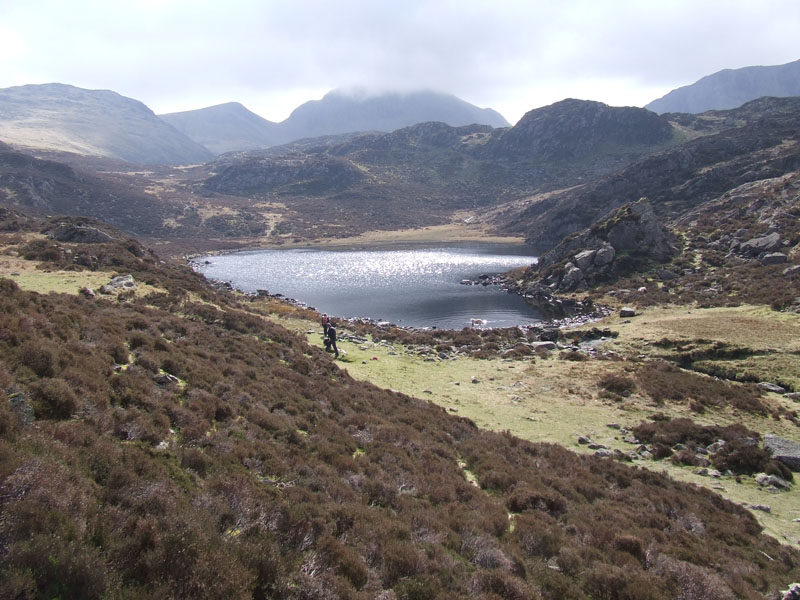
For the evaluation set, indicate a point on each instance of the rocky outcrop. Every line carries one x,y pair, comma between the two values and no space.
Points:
572,129
584,258
80,234
761,143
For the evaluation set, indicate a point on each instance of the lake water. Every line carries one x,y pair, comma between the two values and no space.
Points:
409,286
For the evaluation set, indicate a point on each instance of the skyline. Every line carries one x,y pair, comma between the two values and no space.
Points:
512,55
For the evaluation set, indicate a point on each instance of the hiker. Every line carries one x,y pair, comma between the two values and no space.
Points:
326,321
332,338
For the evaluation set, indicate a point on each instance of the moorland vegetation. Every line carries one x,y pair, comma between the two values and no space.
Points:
180,443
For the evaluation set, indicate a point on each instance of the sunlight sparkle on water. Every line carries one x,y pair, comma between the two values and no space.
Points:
415,287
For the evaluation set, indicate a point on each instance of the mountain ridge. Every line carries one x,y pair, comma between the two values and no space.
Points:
66,118
731,88
338,112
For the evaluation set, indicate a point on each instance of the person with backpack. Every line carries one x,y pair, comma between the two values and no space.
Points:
332,338
326,321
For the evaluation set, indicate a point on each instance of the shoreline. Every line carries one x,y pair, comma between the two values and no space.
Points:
434,234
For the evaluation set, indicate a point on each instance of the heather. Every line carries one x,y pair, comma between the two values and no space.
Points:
179,444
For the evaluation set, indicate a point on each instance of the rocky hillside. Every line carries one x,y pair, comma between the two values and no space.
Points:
741,247
731,88
48,187
91,122
577,129
758,141
169,440
421,174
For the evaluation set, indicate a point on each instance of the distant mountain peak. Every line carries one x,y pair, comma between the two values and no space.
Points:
731,88
231,126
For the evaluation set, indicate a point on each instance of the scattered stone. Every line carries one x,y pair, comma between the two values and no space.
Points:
765,480
453,409
572,280
616,426
543,346
793,396
582,439
714,473
783,450
605,255
596,446
773,258
761,507
121,282
790,271
756,246
475,380
79,234
21,405
550,335
88,292
666,275
165,379
630,439
626,312
771,387
583,260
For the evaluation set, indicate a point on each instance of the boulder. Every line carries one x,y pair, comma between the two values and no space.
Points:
783,450
583,260
756,246
572,280
666,275
771,387
79,234
793,270
765,480
121,282
626,312
605,255
773,258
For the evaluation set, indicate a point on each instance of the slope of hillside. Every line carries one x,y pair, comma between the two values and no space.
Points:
176,443
757,141
48,187
92,122
422,174
226,128
572,129
731,88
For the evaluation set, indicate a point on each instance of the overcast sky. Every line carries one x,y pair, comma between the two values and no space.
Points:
273,55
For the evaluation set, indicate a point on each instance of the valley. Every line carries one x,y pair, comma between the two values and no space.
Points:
167,437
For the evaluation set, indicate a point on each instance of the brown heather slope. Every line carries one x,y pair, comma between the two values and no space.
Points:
178,444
